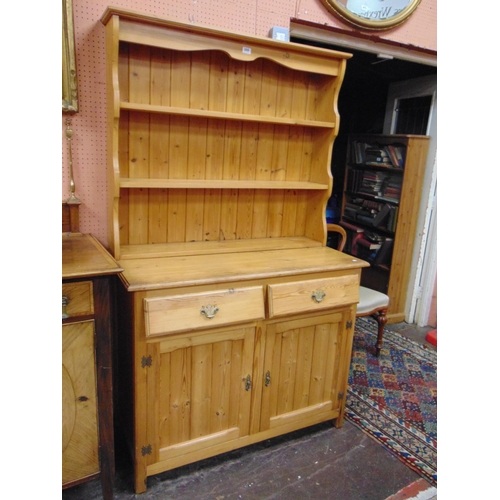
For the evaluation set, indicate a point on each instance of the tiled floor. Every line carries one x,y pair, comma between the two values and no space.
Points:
320,463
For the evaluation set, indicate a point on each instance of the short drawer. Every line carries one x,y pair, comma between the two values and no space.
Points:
180,313
77,299
312,295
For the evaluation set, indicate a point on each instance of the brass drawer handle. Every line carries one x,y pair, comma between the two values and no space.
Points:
209,311
65,302
248,383
318,295
267,380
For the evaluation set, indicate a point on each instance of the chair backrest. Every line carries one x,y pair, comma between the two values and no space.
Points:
335,228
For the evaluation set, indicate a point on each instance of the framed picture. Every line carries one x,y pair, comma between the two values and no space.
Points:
69,77
372,14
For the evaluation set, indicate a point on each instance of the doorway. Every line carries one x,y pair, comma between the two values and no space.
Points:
364,104
412,109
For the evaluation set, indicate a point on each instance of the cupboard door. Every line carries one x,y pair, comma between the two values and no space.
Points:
80,450
199,393
302,371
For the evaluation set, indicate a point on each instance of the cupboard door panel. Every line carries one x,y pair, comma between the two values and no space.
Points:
80,448
202,390
301,369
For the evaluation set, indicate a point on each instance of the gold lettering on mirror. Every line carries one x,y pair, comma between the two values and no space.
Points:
372,14
69,79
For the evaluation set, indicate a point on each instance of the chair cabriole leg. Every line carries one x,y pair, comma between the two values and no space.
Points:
381,319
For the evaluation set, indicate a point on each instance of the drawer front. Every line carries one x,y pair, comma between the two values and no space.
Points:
78,299
180,313
312,295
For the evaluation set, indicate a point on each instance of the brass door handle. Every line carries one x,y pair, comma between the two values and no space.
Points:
318,295
267,379
65,302
209,311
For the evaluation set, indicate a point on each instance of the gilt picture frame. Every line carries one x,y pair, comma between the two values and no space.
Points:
69,74
372,14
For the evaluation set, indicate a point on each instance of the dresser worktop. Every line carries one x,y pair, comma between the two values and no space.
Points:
171,272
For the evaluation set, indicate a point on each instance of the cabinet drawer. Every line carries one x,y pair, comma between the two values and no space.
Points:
312,295
79,299
203,310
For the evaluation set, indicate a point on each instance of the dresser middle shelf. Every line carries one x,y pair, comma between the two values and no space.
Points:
224,115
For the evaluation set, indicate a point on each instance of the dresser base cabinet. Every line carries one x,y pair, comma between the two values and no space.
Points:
190,393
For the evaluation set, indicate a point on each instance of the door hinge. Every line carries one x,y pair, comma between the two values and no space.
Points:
146,450
146,361
340,395
348,325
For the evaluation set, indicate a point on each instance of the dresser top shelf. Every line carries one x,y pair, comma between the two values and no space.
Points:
137,27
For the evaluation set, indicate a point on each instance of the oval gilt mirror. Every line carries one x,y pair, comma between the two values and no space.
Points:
373,14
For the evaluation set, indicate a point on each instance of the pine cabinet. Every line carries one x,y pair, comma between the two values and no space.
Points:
230,375
383,188
236,320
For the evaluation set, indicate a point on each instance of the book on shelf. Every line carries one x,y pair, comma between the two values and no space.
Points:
365,219
373,183
381,215
374,237
353,233
366,254
400,154
367,212
377,156
392,189
392,155
358,152
353,181
397,154
392,219
378,254
371,245
384,254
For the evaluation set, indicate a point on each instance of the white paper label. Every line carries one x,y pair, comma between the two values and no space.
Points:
247,50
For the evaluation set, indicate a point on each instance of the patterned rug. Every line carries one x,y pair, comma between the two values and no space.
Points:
393,398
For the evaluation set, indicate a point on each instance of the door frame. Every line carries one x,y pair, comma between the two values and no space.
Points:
424,261
424,265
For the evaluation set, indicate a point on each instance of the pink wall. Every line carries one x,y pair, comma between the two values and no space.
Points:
254,17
